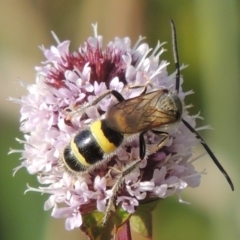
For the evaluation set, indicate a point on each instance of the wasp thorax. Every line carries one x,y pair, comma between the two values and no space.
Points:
170,103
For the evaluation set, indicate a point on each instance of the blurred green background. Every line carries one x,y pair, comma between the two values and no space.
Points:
208,40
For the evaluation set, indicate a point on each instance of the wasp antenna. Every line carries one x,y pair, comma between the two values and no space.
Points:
175,54
220,167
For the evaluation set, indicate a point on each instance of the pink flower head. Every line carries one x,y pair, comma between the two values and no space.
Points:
65,82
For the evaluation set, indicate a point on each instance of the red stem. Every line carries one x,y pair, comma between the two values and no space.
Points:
125,232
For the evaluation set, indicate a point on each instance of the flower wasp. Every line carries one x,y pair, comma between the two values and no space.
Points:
154,111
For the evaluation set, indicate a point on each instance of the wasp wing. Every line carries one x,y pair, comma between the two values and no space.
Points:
140,114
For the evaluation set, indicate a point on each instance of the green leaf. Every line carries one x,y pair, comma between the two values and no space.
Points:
93,228
141,220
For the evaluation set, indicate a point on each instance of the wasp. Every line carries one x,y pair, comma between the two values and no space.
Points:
96,143
154,111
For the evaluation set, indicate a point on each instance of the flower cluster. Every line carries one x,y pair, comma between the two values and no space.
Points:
67,81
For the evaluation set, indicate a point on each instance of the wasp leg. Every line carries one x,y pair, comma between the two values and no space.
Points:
120,179
83,108
115,93
129,168
139,86
117,185
144,86
162,141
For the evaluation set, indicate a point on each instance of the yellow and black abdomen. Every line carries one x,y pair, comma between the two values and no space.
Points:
88,147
